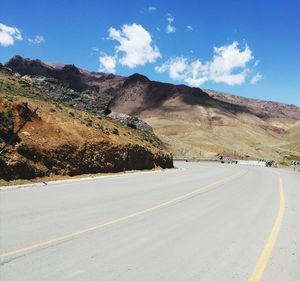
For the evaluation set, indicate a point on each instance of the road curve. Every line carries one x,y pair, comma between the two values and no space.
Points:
203,221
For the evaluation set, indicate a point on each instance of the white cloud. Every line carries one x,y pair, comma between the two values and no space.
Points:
107,63
170,18
38,39
228,65
197,74
257,77
151,9
8,35
177,68
226,60
170,27
190,28
135,45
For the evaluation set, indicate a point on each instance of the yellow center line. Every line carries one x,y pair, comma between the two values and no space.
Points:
117,220
267,251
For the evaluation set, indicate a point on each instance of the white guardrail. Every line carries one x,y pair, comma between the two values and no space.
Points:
252,163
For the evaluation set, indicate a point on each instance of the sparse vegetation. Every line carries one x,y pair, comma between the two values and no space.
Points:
115,131
6,123
6,117
57,141
71,114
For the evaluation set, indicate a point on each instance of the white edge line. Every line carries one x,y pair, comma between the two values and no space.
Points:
89,178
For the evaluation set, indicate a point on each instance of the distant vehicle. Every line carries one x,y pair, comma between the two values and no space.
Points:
271,163
227,160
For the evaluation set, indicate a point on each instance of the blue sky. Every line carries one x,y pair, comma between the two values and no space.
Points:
248,48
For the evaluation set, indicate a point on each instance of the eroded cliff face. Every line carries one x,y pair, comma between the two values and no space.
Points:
29,162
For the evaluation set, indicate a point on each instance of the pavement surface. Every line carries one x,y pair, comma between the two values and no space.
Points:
203,221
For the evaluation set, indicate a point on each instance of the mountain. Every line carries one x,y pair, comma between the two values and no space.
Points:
75,82
192,122
64,140
204,123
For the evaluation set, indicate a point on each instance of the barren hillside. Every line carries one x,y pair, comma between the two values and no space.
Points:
63,140
197,123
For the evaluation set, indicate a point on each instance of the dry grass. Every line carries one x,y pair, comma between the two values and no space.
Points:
63,124
238,138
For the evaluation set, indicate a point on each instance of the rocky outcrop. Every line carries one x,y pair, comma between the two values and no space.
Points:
69,74
76,78
86,100
131,121
68,83
29,67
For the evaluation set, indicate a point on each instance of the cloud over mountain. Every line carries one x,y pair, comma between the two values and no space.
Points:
107,63
229,65
134,48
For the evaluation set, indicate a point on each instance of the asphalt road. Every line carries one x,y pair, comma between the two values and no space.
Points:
200,222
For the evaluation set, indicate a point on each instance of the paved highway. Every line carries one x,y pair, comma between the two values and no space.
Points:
202,221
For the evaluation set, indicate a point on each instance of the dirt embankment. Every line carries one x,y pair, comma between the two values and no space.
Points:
71,160
58,141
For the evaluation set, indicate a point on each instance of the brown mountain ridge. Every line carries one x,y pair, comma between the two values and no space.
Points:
192,122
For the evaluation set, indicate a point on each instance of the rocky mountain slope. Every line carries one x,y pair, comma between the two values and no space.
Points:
63,140
202,123
193,122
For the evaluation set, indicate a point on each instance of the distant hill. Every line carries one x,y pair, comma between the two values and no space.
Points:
204,123
191,121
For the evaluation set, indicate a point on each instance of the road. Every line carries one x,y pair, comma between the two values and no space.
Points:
203,221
